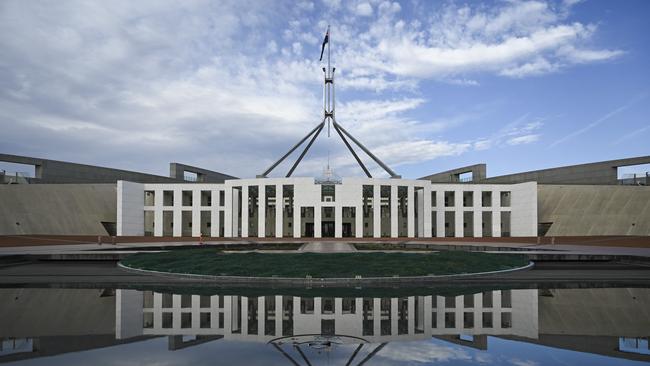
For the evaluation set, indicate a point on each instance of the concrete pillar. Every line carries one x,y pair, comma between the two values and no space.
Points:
427,316
158,213
410,212
318,219
338,221
178,212
426,212
244,315
393,316
229,208
279,315
261,316
411,314
496,223
376,316
478,219
358,221
296,221
214,219
440,222
261,211
279,201
244,211
458,213
376,211
196,212
393,212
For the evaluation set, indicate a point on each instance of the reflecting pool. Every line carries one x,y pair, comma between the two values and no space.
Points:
201,326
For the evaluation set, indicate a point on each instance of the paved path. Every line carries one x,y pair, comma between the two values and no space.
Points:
327,247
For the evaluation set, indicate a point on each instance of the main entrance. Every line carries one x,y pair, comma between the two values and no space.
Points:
327,229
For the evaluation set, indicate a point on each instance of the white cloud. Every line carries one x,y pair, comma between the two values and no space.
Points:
525,139
363,9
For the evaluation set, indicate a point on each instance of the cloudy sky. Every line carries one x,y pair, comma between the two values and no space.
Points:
231,85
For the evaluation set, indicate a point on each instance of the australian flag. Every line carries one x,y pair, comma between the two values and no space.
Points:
327,38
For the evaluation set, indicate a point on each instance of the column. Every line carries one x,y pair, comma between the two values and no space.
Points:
244,315
411,314
318,219
279,315
496,222
296,219
410,212
376,316
478,220
358,221
178,213
158,213
261,316
228,213
376,211
393,211
279,206
458,212
214,214
261,211
426,211
440,221
196,213
244,211
338,221
393,316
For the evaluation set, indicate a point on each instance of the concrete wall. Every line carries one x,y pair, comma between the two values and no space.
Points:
130,216
56,209
594,210
602,172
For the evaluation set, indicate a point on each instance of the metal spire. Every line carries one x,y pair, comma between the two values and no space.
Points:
329,109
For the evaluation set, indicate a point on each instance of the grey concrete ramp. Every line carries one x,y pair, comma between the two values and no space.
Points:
327,247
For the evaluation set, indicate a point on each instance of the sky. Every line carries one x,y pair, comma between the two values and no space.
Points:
232,85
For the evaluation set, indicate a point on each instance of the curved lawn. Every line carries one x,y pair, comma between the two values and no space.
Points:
322,265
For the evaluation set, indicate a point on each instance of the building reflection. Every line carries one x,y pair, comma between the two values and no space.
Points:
44,322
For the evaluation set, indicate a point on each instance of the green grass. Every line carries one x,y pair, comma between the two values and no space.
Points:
331,265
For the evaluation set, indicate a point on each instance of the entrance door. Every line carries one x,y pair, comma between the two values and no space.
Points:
309,229
347,230
327,229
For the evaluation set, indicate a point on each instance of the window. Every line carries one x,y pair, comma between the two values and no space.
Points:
149,198
186,301
147,299
222,198
450,197
205,301
506,320
468,320
433,199
505,199
487,299
187,198
327,193
147,320
468,301
206,198
486,199
167,300
506,298
186,320
487,320
204,320
167,320
450,302
468,199
168,198
434,320
450,320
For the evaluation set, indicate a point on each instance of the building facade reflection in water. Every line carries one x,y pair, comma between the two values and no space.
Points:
373,320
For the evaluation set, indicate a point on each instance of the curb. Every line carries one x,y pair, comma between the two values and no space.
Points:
323,281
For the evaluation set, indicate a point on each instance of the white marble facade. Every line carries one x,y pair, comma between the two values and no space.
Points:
407,210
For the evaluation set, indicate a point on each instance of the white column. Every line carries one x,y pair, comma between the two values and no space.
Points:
228,213
393,316
376,316
296,220
279,315
393,211
279,206
178,213
158,213
261,211
244,211
196,212
358,221
426,212
440,221
411,314
410,211
244,315
338,221
214,214
261,316
318,219
478,219
496,223
458,213
376,211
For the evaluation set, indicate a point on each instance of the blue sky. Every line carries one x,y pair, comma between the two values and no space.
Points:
230,85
